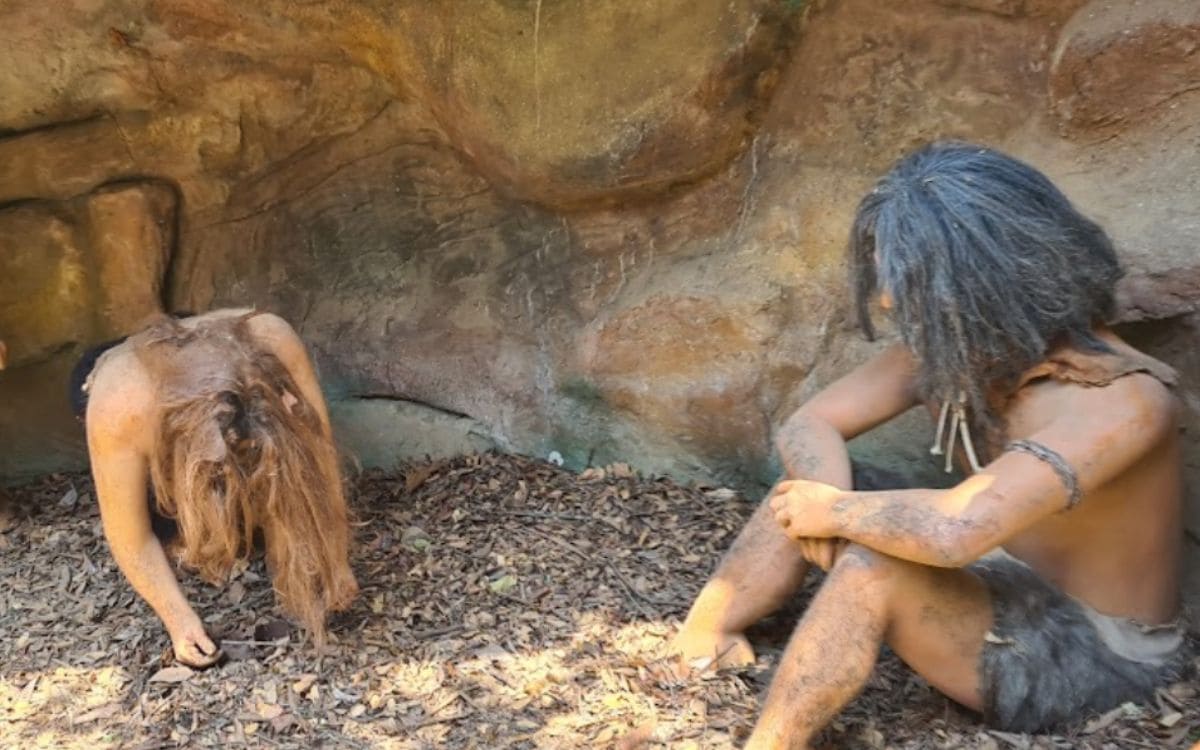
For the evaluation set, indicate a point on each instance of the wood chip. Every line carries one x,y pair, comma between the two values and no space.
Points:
173,675
537,615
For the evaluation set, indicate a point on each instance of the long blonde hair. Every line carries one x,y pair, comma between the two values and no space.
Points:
238,450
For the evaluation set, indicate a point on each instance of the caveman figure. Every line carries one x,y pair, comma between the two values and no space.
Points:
1045,586
202,433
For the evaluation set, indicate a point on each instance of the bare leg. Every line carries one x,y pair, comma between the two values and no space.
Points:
764,566
758,574
935,619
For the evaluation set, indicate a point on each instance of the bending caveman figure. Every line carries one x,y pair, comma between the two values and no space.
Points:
1042,588
203,432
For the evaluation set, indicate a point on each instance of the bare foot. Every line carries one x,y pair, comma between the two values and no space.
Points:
701,650
758,744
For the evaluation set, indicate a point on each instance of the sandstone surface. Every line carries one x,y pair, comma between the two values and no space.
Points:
609,230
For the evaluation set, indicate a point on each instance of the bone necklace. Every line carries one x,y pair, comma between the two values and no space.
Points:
956,415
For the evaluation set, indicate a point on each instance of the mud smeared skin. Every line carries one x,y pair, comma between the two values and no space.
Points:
800,461
1080,391
764,566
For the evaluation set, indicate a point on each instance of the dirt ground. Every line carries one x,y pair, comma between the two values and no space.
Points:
505,603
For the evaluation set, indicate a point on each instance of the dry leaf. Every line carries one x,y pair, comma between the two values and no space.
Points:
282,723
268,711
606,567
416,476
106,711
69,500
303,683
503,584
415,538
236,593
1171,719
638,738
170,675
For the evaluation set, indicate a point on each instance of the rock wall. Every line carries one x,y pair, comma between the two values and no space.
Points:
610,230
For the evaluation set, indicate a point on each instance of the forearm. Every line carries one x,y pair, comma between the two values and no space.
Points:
145,566
812,449
918,525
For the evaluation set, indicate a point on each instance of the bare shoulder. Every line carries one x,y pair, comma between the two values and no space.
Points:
1109,426
277,335
120,401
1136,401
270,325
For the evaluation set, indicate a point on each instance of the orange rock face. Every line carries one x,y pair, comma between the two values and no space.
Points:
610,231
83,270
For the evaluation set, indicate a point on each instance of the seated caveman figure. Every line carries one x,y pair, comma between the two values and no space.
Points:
203,432
1043,587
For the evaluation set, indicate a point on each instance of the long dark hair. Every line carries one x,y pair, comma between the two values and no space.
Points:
988,264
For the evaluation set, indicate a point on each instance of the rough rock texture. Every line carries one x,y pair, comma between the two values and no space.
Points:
1118,63
610,230
86,269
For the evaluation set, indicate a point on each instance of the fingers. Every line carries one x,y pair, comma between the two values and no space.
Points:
821,555
832,550
814,550
198,653
821,552
811,549
779,496
783,518
196,659
828,551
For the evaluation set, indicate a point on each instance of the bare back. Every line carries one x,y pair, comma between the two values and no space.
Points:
131,391
126,389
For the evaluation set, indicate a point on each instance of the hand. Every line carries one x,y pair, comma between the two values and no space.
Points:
822,552
804,509
193,647
700,650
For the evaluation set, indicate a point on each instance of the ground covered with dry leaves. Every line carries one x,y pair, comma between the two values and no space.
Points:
506,603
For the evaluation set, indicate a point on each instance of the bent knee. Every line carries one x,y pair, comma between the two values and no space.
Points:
865,566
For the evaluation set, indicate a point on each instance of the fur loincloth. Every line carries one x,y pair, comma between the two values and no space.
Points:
1049,659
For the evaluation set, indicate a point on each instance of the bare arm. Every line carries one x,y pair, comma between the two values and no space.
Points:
119,465
283,341
812,443
1103,433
